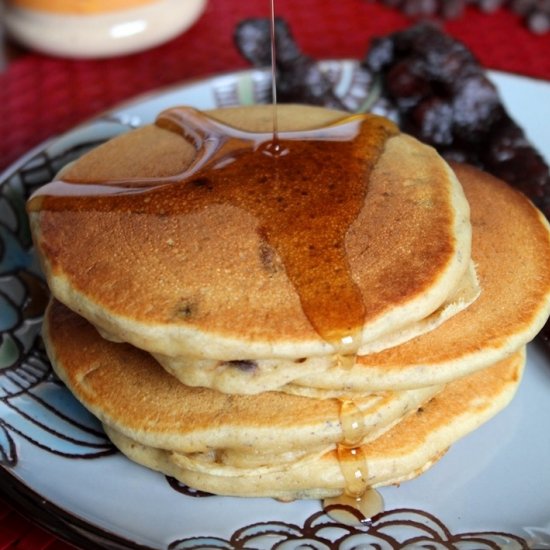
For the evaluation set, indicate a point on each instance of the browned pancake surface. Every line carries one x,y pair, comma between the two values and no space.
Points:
407,450
209,272
126,387
512,242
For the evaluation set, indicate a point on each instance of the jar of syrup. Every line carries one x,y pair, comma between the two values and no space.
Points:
98,28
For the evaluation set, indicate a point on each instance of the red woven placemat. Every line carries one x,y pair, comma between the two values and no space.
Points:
42,96
17,533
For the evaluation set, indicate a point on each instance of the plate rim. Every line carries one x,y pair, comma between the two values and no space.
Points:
150,94
56,520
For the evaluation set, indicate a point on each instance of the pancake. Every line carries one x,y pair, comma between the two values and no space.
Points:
511,250
271,444
127,389
219,281
266,445
250,376
402,453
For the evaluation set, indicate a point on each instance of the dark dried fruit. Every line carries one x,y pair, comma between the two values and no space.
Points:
243,365
509,152
536,13
298,75
445,98
433,121
448,9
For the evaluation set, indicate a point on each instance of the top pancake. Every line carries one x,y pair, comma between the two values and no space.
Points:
209,283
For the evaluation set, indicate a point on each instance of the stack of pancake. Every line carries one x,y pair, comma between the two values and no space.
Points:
294,315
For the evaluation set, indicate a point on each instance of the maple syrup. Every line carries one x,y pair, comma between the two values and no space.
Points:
275,142
359,502
304,200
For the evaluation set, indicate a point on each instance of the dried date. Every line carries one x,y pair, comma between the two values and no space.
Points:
298,75
536,13
445,98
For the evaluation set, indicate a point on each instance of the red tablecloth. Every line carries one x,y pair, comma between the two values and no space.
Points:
42,96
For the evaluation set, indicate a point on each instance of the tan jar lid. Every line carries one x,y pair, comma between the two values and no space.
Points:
79,7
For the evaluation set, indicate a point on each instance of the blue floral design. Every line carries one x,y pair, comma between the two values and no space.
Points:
34,405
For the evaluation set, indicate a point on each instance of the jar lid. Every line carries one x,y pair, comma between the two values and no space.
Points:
80,6
98,28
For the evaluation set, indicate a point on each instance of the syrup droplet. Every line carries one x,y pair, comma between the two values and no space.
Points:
305,191
351,510
354,468
274,149
353,424
359,502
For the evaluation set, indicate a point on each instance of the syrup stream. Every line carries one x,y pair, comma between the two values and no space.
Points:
274,78
358,503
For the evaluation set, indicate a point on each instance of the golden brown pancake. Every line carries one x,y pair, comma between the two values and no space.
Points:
511,250
127,389
160,266
219,281
402,453
266,445
259,375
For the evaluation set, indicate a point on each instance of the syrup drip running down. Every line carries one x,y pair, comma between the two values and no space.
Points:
303,201
358,503
274,148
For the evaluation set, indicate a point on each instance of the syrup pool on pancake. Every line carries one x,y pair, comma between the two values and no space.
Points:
237,167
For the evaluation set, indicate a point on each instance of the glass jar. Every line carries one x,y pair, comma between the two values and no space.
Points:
98,28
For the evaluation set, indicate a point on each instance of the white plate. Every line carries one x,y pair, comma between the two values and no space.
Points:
491,490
